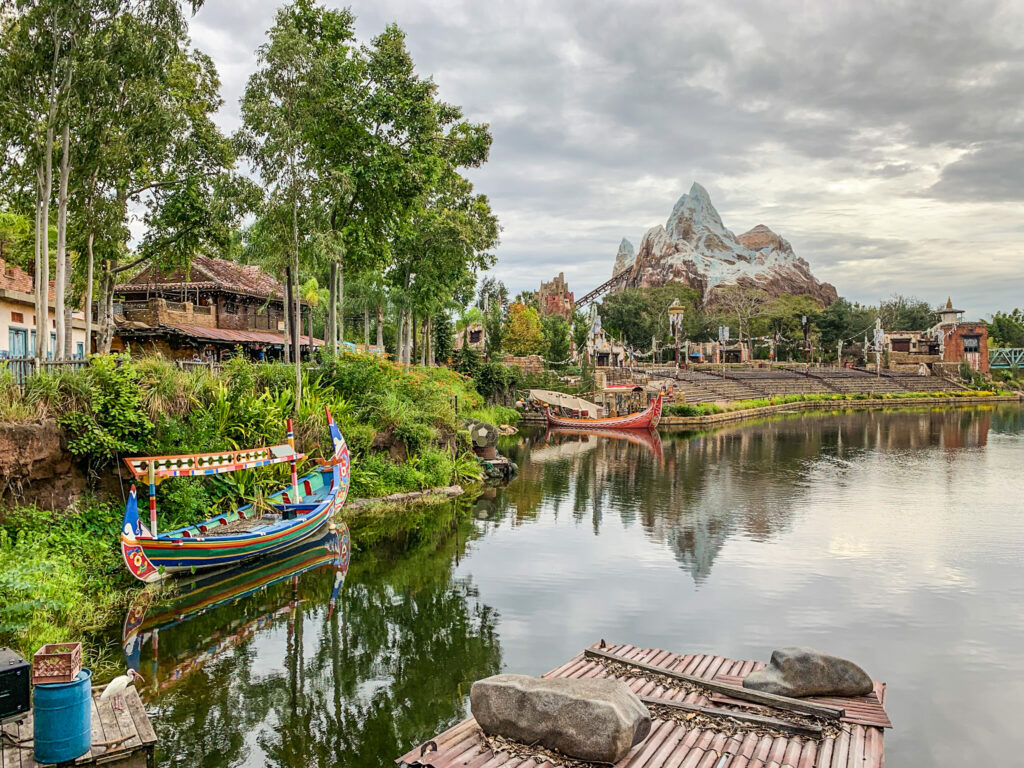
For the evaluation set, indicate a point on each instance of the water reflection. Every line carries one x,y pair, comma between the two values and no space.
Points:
281,666
892,538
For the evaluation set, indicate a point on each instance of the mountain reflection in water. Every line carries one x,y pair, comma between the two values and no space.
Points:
892,538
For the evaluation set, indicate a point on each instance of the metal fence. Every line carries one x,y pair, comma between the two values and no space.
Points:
24,367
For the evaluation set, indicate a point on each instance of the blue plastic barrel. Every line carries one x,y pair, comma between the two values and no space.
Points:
62,727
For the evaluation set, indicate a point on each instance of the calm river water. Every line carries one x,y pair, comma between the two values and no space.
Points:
891,538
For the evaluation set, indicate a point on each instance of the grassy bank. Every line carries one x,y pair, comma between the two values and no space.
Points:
62,579
709,409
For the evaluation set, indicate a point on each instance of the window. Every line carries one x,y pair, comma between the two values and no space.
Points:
80,350
17,317
972,343
17,342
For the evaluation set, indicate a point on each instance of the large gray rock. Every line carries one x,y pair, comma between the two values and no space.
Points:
798,671
594,720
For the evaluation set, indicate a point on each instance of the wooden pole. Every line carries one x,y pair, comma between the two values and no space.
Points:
152,498
295,476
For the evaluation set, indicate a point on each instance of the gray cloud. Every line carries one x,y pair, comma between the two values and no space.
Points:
826,121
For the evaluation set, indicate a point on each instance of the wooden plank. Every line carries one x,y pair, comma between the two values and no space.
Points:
111,730
768,699
743,717
129,732
143,726
10,751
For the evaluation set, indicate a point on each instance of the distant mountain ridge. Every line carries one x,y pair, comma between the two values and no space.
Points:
695,248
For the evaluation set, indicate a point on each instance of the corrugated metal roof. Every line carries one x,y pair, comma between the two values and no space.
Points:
217,334
704,742
226,334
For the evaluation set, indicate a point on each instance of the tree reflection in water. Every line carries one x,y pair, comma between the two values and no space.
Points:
310,686
699,489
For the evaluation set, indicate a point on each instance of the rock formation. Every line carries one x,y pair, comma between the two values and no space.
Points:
625,257
696,249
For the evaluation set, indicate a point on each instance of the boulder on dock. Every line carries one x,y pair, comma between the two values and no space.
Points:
594,720
798,671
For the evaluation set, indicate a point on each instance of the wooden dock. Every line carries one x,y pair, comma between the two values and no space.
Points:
697,721
120,738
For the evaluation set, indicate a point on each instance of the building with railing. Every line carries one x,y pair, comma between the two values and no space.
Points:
206,310
18,327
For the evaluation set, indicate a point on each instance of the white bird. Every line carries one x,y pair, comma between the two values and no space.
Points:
115,688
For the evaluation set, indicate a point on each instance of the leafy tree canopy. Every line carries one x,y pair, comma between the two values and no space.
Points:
523,332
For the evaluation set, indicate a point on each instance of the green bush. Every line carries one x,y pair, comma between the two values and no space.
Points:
61,578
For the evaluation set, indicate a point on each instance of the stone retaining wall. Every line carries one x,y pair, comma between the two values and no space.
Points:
829,405
753,413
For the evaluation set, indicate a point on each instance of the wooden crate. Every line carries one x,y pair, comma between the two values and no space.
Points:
57,663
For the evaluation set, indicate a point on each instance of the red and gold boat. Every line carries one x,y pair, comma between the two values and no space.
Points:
645,419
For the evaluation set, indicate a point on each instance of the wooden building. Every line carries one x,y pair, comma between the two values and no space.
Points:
207,310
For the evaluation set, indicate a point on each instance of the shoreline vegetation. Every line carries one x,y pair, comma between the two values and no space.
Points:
61,572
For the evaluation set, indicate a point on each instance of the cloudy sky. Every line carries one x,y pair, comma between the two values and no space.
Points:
884,140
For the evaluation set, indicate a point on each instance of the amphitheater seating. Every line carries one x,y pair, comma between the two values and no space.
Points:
708,386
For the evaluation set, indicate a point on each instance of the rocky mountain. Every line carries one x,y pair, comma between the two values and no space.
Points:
696,249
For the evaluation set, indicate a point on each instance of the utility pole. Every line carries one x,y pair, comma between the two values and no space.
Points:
839,354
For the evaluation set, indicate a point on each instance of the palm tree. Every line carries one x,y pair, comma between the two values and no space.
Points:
310,294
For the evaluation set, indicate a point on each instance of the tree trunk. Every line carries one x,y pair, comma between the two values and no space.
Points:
106,313
414,346
68,309
366,327
380,323
410,330
88,294
286,302
43,318
332,312
63,348
400,338
297,318
309,325
39,282
341,292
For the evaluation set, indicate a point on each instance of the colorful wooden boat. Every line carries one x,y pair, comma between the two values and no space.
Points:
645,419
290,515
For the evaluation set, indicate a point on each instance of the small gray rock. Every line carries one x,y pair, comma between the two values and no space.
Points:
594,720
798,671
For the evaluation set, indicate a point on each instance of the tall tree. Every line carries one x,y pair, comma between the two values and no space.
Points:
274,109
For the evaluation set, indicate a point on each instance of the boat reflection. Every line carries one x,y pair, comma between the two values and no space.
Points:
568,436
181,602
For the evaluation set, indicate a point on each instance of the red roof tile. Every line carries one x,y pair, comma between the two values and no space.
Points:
14,278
